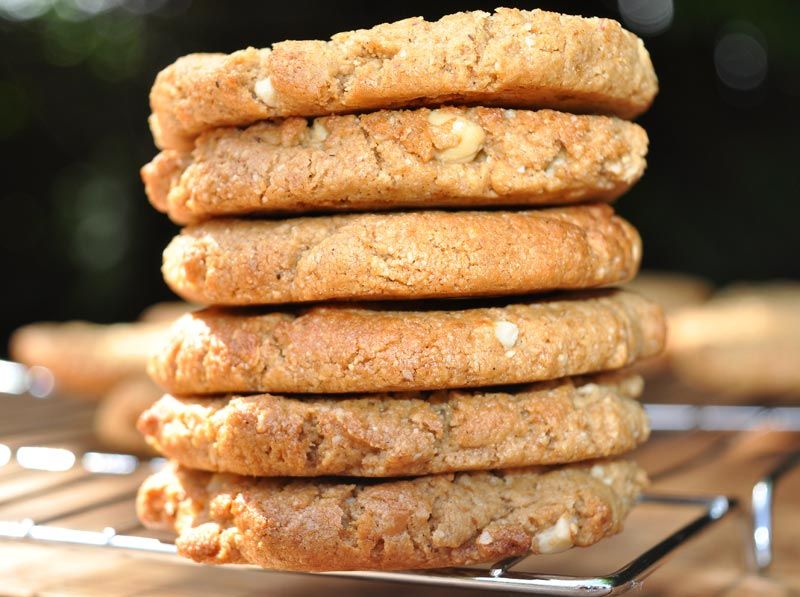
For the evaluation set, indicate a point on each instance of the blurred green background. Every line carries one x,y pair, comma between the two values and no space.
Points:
79,240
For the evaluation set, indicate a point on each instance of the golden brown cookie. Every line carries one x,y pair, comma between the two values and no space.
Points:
87,359
387,435
510,58
427,522
743,343
405,255
409,158
116,415
455,344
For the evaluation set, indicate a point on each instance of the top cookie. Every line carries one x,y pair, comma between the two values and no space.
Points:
510,58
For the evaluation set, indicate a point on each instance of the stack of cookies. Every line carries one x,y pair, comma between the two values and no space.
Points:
311,432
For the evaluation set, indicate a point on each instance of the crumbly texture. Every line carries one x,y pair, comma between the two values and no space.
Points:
87,359
743,343
395,159
336,349
427,522
511,58
116,415
389,435
401,255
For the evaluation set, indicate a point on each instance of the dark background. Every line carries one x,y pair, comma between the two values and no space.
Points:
79,240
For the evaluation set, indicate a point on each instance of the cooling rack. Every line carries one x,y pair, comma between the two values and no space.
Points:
53,491
74,477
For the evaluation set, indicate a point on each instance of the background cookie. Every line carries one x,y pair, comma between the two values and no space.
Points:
508,58
407,158
745,342
116,415
428,522
87,359
672,290
406,346
386,435
675,292
401,256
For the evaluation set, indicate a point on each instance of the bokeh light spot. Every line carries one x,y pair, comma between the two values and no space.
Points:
741,61
23,10
647,17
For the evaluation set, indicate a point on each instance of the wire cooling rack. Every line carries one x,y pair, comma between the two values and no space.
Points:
51,491
81,478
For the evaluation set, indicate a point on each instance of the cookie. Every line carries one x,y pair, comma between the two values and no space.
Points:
456,344
412,158
672,290
87,359
116,415
390,435
744,343
405,255
427,522
510,58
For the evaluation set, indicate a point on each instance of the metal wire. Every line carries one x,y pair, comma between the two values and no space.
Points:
501,576
761,509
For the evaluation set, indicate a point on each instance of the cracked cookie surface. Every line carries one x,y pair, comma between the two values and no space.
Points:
408,255
407,346
510,58
427,522
388,435
399,159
